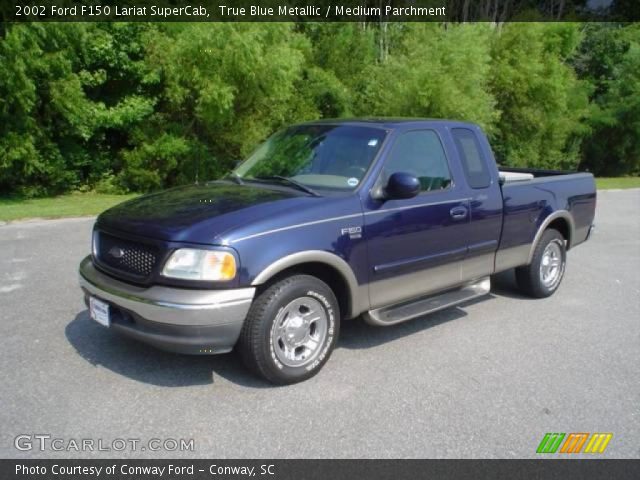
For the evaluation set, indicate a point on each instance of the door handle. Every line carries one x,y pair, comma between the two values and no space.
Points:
458,213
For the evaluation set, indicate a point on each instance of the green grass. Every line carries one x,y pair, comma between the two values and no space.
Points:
73,205
605,183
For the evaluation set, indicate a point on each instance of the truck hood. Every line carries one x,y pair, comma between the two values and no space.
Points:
198,213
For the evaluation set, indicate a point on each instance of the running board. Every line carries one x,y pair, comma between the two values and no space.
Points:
404,311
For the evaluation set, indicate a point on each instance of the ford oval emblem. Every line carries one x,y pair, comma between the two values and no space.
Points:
116,252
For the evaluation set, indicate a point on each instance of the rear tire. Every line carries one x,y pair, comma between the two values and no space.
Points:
542,277
290,330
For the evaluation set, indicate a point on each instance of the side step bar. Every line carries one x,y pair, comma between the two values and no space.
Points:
404,311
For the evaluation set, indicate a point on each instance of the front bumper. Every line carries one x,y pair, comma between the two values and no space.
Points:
175,319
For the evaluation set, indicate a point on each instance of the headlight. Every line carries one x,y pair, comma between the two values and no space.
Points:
195,264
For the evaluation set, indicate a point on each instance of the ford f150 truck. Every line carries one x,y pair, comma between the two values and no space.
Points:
326,221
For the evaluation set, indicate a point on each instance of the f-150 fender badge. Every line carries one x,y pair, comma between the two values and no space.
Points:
353,232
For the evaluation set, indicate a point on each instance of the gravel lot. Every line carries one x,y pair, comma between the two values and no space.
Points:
485,380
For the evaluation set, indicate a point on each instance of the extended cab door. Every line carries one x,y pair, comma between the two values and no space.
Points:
416,246
485,200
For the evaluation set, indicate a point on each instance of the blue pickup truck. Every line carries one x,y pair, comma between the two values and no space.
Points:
388,219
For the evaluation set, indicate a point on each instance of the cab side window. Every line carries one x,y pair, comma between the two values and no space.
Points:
419,153
473,163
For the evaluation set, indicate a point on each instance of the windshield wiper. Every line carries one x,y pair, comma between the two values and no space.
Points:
235,177
293,183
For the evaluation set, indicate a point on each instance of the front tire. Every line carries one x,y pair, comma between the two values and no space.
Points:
542,277
290,330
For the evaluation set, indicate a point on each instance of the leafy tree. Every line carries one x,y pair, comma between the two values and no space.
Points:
142,106
543,105
338,61
34,78
68,95
609,58
225,87
436,71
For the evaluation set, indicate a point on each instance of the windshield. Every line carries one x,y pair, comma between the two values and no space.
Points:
318,156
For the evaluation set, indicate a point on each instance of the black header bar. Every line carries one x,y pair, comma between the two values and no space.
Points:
584,469
497,11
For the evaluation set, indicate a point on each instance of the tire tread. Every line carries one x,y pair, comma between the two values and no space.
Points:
250,342
528,277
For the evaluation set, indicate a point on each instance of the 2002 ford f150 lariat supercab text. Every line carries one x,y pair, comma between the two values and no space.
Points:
326,221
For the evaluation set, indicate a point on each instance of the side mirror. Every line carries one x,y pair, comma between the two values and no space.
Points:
402,185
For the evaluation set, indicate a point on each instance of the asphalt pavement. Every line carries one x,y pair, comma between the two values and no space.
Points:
486,380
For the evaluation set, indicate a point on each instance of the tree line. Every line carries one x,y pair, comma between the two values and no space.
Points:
118,107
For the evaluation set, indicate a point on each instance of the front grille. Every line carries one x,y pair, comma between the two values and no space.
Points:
133,258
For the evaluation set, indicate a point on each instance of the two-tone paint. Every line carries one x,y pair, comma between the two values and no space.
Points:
383,251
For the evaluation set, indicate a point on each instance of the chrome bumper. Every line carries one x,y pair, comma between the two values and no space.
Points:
171,318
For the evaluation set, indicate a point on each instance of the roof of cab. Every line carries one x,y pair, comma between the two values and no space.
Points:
390,122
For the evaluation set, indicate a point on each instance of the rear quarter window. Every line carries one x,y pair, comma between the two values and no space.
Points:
473,162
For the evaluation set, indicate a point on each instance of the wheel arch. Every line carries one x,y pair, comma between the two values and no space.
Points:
330,268
561,221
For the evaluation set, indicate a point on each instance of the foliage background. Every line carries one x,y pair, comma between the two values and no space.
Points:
124,107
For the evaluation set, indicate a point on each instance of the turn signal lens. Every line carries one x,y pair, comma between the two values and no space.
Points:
219,265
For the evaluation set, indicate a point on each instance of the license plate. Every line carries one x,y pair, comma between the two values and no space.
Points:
99,311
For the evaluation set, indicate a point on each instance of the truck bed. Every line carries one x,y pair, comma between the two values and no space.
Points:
518,174
530,197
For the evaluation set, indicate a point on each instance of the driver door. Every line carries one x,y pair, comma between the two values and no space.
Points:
416,246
